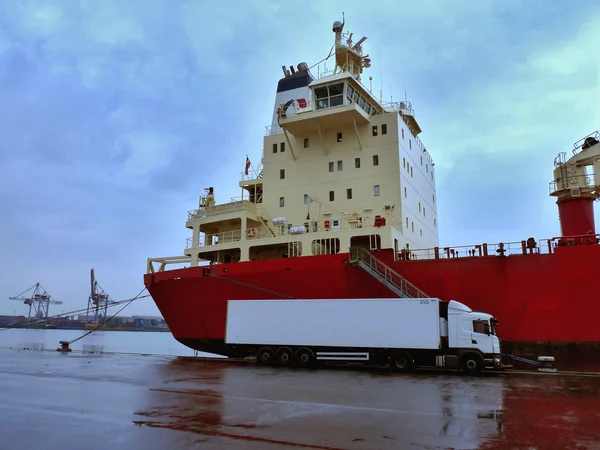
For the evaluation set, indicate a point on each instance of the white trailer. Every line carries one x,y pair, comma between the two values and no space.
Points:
402,332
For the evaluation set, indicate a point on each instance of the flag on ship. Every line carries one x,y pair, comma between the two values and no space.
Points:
247,164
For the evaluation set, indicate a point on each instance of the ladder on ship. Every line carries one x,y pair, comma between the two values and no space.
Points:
361,257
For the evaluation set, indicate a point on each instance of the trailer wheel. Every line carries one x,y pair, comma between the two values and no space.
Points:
401,361
305,357
471,363
285,356
265,356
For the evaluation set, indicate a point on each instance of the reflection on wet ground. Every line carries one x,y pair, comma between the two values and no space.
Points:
113,401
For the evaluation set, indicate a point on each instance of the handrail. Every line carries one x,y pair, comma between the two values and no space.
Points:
360,254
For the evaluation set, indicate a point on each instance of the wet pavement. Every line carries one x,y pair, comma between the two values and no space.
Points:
95,401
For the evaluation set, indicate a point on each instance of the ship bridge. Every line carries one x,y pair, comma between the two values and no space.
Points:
337,100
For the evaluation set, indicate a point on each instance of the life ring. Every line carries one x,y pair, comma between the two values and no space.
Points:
251,233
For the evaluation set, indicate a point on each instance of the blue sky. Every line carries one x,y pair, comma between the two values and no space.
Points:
115,115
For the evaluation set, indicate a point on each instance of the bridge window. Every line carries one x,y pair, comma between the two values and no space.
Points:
329,96
384,128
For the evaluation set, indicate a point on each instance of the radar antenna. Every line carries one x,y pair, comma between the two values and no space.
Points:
348,56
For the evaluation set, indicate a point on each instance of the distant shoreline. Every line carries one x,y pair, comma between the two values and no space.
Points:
160,330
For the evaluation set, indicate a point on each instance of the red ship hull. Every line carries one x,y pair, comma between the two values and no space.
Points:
546,303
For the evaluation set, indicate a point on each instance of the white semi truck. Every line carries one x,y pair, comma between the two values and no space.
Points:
403,332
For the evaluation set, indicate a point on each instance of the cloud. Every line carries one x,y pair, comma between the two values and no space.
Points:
117,114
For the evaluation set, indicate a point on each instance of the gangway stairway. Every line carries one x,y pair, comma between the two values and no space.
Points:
361,257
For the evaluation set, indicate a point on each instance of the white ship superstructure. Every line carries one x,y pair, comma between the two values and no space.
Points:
340,168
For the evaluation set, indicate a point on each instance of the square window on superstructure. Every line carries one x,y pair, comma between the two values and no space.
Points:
340,165
427,168
421,231
406,222
376,190
305,142
282,174
412,224
331,196
421,160
375,160
357,163
433,198
281,202
339,137
404,162
274,148
423,211
306,199
374,130
419,206
434,223
411,172
410,143
282,147
349,194
384,128
405,193
331,166
402,133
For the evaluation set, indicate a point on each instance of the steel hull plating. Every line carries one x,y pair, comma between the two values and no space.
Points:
538,314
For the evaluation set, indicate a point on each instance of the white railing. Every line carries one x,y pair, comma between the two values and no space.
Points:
225,208
275,231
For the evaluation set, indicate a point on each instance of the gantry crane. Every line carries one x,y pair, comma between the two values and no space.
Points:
98,300
39,301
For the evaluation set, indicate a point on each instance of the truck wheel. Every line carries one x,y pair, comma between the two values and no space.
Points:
305,357
401,361
265,356
285,356
471,363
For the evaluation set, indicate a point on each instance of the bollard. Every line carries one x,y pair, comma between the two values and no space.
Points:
64,347
546,364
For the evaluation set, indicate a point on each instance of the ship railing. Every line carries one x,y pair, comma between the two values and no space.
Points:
237,204
206,239
583,239
578,146
569,182
165,261
253,174
484,249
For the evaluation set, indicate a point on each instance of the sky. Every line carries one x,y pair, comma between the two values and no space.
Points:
115,115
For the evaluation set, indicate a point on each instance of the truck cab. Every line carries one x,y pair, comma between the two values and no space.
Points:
473,335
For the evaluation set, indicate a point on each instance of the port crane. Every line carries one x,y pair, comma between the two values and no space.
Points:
39,301
576,185
98,301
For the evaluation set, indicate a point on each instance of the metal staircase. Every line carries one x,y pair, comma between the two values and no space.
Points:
268,223
361,257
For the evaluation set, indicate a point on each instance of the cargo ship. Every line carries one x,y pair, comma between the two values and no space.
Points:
343,205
